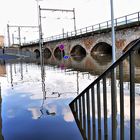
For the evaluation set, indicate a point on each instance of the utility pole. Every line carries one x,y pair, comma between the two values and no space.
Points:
113,75
40,37
8,33
19,36
74,20
19,32
40,27
113,32
13,38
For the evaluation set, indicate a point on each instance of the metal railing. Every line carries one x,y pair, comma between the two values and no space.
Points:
124,20
91,107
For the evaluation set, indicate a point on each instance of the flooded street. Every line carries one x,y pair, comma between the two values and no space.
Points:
35,99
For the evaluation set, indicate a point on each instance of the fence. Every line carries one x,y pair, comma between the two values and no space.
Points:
91,107
124,20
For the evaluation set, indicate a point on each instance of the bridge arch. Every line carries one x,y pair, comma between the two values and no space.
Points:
47,53
101,48
130,45
78,50
37,53
58,53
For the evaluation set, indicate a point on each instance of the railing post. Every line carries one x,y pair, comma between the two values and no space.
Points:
121,101
92,28
126,19
86,29
93,114
138,16
105,109
99,110
88,115
116,22
114,104
132,96
107,24
99,27
80,31
84,114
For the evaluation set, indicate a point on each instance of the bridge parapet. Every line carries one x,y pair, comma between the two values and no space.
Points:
121,22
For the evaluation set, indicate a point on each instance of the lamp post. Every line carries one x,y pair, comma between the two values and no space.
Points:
113,32
113,75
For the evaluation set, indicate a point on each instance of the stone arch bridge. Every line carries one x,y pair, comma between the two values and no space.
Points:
95,42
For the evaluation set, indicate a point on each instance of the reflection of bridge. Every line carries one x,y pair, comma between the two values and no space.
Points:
93,39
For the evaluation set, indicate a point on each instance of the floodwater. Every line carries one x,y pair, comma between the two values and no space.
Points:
35,98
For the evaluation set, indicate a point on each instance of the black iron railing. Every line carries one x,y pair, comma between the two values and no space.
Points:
91,107
124,20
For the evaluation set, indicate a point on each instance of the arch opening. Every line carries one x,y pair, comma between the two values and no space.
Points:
47,53
129,45
59,54
101,48
37,53
137,51
78,51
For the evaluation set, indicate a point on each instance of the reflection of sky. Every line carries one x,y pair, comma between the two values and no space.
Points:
21,105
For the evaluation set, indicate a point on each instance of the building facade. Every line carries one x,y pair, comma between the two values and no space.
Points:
1,41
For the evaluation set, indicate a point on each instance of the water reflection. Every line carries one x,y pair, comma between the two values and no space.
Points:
37,95
43,110
1,136
2,68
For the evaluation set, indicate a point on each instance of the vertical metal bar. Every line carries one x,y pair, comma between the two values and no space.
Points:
99,27
80,111
107,24
80,31
74,18
126,19
105,109
92,28
113,32
76,108
40,38
132,96
88,115
8,32
138,16
113,104
121,102
93,114
63,32
19,36
84,112
13,38
86,29
99,111
116,22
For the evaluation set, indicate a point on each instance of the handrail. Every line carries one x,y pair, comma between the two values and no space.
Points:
84,105
97,27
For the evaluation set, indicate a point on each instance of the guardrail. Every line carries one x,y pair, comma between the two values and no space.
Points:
134,17
88,106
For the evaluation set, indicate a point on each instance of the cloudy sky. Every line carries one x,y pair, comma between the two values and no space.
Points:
88,12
